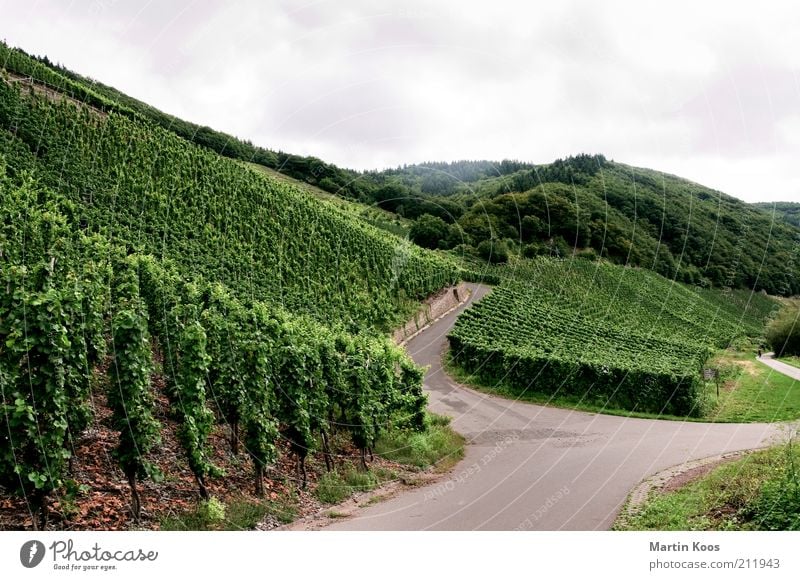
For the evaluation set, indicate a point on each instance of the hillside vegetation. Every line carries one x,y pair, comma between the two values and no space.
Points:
157,193
98,95
639,217
760,491
372,214
159,273
491,210
129,254
786,210
623,338
783,333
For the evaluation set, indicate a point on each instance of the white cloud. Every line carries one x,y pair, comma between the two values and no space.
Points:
703,90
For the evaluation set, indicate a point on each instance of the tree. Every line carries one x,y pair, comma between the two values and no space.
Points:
783,333
428,230
390,196
532,227
493,251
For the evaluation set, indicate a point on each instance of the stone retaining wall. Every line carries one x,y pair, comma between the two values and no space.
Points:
432,308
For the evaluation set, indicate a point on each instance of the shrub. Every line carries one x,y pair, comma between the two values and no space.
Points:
783,333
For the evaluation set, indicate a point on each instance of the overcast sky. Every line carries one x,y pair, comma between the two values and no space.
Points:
708,92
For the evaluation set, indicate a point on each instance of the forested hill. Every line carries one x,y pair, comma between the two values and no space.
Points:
786,210
591,206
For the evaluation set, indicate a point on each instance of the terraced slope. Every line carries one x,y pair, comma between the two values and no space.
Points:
132,258
157,193
623,337
380,218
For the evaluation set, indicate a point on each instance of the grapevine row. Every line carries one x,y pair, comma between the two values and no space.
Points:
615,336
156,193
76,303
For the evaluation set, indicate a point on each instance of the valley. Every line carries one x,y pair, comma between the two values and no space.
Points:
193,321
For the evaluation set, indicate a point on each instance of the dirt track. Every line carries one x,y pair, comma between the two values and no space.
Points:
538,468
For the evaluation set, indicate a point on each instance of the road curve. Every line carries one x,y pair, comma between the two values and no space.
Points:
779,366
531,467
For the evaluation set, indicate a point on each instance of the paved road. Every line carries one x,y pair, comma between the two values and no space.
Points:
779,366
540,468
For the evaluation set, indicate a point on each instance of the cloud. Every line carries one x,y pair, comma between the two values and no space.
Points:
684,87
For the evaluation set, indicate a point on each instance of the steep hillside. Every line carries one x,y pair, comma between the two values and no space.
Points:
372,214
160,273
786,210
492,209
152,281
159,194
621,338
629,215
62,81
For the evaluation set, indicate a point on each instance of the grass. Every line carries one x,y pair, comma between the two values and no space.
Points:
284,508
438,445
758,492
750,392
790,360
336,486
237,515
375,499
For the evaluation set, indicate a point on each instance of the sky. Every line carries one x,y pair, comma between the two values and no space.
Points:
708,91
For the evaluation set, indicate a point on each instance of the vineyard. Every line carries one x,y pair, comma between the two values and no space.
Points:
128,253
619,337
152,279
156,193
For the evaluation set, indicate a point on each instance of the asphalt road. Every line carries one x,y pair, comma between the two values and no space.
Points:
539,468
779,366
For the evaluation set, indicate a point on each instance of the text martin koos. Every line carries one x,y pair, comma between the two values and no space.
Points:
678,547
